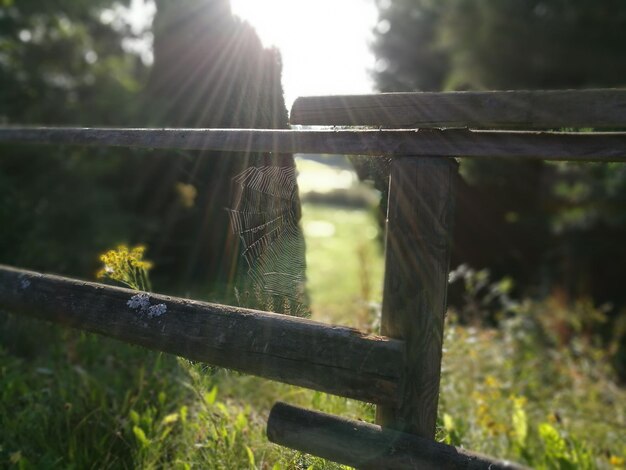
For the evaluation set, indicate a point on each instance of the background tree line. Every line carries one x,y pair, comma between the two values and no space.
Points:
64,63
556,228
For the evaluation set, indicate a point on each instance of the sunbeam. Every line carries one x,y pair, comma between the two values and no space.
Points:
323,43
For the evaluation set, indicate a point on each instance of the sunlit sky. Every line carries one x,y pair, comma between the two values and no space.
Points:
324,43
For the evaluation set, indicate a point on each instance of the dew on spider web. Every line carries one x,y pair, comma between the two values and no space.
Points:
265,214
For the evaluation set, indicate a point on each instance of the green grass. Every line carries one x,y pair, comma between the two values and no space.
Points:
80,401
74,400
512,394
345,269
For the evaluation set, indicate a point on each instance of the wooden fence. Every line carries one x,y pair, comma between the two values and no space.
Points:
399,371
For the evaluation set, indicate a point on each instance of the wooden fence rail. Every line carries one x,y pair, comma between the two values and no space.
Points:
463,143
401,375
420,200
368,446
332,359
552,109
420,213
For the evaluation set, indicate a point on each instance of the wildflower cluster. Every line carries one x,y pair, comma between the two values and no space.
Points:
503,417
486,415
126,265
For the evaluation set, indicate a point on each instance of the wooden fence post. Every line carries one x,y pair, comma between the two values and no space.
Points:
417,258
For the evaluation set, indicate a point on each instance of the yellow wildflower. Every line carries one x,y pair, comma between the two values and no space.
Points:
126,266
492,382
519,401
617,462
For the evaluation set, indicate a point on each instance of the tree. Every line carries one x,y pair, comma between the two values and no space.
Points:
211,70
535,44
493,44
545,224
60,64
409,54
64,63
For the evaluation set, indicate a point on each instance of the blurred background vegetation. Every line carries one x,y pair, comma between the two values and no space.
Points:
554,229
73,63
535,346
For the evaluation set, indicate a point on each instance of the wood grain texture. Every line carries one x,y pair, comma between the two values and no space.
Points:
368,446
598,109
417,258
333,359
462,143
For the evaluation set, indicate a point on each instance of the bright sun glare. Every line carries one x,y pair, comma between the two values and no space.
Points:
324,43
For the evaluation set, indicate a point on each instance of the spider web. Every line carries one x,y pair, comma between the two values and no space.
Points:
265,214
377,170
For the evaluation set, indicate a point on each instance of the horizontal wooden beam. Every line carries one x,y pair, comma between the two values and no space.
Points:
573,146
368,446
597,109
333,359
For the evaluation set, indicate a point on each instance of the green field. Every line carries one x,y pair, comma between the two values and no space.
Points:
345,269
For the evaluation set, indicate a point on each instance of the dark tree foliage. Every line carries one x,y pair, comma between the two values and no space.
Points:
409,56
61,65
499,44
541,44
210,70
554,227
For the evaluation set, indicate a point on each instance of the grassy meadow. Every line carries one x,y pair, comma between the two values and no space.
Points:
74,400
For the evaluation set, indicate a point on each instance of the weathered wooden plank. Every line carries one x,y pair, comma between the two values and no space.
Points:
368,446
598,109
417,258
602,147
333,359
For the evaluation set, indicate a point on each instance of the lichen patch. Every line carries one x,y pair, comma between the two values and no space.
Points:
141,303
